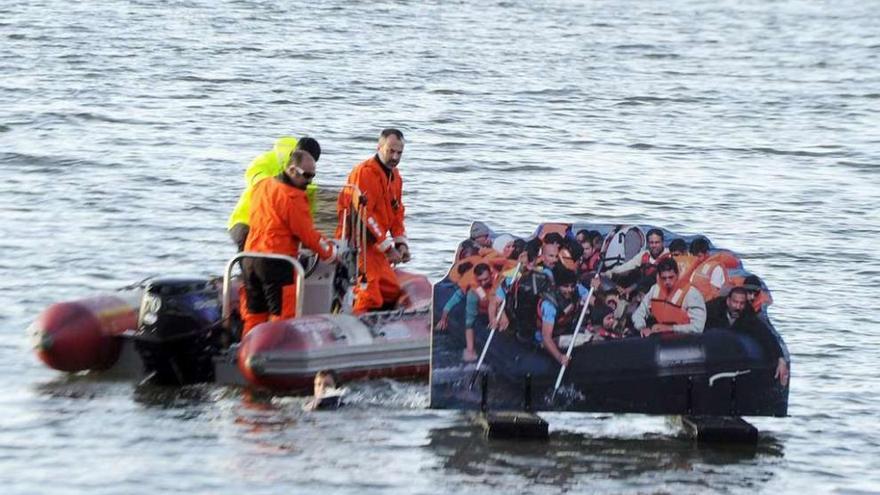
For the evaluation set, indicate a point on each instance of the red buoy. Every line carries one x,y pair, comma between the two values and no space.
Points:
83,334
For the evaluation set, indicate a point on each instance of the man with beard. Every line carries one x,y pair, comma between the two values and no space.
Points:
734,313
280,222
381,201
671,305
645,263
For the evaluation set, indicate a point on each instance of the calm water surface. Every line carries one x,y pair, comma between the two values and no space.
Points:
125,128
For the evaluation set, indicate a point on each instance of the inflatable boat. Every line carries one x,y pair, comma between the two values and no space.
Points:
186,330
717,372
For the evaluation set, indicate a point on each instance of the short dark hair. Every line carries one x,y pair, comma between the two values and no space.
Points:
518,246
389,132
554,238
331,373
533,249
468,248
563,276
480,269
310,145
678,245
738,290
467,265
583,232
655,232
699,245
667,265
574,247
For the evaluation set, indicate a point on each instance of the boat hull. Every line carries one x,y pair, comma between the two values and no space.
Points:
285,355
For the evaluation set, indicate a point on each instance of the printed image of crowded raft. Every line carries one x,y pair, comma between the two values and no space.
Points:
604,318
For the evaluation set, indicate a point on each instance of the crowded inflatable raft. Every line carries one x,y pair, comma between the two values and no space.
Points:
615,318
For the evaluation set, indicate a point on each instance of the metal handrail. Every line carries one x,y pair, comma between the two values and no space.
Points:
356,190
358,229
227,278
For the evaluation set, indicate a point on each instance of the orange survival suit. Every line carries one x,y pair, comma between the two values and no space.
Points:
280,220
380,206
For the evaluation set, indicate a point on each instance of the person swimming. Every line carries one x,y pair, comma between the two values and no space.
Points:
328,394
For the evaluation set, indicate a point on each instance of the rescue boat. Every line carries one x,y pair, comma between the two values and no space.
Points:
186,330
716,373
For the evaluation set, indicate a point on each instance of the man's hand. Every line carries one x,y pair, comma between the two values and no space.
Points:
782,372
503,322
403,249
564,360
661,328
443,323
645,332
394,256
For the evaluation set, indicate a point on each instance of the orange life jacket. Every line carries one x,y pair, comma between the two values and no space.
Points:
686,263
498,267
668,306
465,279
761,301
713,274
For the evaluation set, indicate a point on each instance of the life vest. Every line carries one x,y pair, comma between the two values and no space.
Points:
668,307
464,280
523,299
713,274
593,261
621,244
761,301
648,265
564,321
482,299
686,263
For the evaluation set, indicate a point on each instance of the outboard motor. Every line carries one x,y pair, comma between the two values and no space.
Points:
179,330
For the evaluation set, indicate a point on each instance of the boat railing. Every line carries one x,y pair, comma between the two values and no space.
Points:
353,220
299,279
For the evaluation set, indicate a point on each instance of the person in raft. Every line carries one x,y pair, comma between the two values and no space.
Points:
671,305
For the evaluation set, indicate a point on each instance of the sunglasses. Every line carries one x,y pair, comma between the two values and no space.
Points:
303,173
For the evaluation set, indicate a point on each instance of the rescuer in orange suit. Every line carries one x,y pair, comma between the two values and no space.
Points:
382,210
280,221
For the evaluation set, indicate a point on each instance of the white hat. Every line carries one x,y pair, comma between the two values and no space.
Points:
501,242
